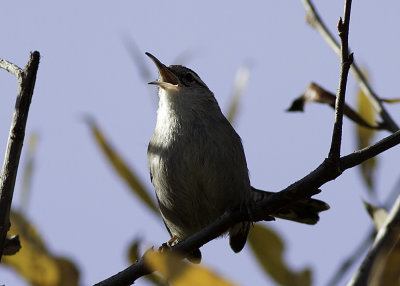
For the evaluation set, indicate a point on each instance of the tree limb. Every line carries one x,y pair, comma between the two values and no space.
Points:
26,79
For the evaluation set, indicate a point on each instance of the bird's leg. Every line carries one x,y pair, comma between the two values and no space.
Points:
167,245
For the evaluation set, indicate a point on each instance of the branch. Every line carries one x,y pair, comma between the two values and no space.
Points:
26,79
302,189
315,21
346,61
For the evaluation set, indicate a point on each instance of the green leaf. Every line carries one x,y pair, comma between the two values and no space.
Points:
241,80
269,248
121,167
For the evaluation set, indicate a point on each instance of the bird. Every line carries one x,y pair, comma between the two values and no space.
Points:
197,162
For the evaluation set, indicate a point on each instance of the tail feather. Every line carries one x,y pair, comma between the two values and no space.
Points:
303,211
238,236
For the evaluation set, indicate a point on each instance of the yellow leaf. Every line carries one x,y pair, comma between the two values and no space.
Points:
385,268
34,262
365,136
269,248
180,273
121,167
133,255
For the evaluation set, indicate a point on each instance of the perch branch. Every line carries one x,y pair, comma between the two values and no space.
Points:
26,78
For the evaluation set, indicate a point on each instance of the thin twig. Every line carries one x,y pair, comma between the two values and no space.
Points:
346,61
316,22
302,189
27,79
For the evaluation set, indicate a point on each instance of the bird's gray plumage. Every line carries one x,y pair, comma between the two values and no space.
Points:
196,158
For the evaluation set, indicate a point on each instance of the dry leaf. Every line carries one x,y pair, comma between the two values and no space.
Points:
315,93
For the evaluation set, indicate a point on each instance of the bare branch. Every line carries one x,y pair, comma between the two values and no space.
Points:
315,21
27,79
11,68
346,61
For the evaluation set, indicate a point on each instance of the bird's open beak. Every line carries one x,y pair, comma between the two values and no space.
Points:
167,80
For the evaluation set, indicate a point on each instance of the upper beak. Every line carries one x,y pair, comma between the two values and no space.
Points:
167,78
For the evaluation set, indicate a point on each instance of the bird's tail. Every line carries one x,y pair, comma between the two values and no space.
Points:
303,211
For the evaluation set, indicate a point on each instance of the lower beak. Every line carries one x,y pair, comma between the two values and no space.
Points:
167,77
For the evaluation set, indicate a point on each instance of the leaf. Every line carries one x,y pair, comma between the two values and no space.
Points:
34,261
390,100
269,248
378,215
180,273
133,255
385,269
121,167
137,57
28,171
241,80
315,93
365,136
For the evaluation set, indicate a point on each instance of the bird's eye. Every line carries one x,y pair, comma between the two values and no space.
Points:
189,77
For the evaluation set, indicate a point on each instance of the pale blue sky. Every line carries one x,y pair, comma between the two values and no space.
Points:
80,206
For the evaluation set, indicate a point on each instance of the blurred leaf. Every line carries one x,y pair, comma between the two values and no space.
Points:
378,215
269,248
28,171
390,100
385,270
180,273
127,174
241,80
137,57
315,93
34,262
133,255
365,136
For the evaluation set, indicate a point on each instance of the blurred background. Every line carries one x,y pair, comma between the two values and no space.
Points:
93,64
